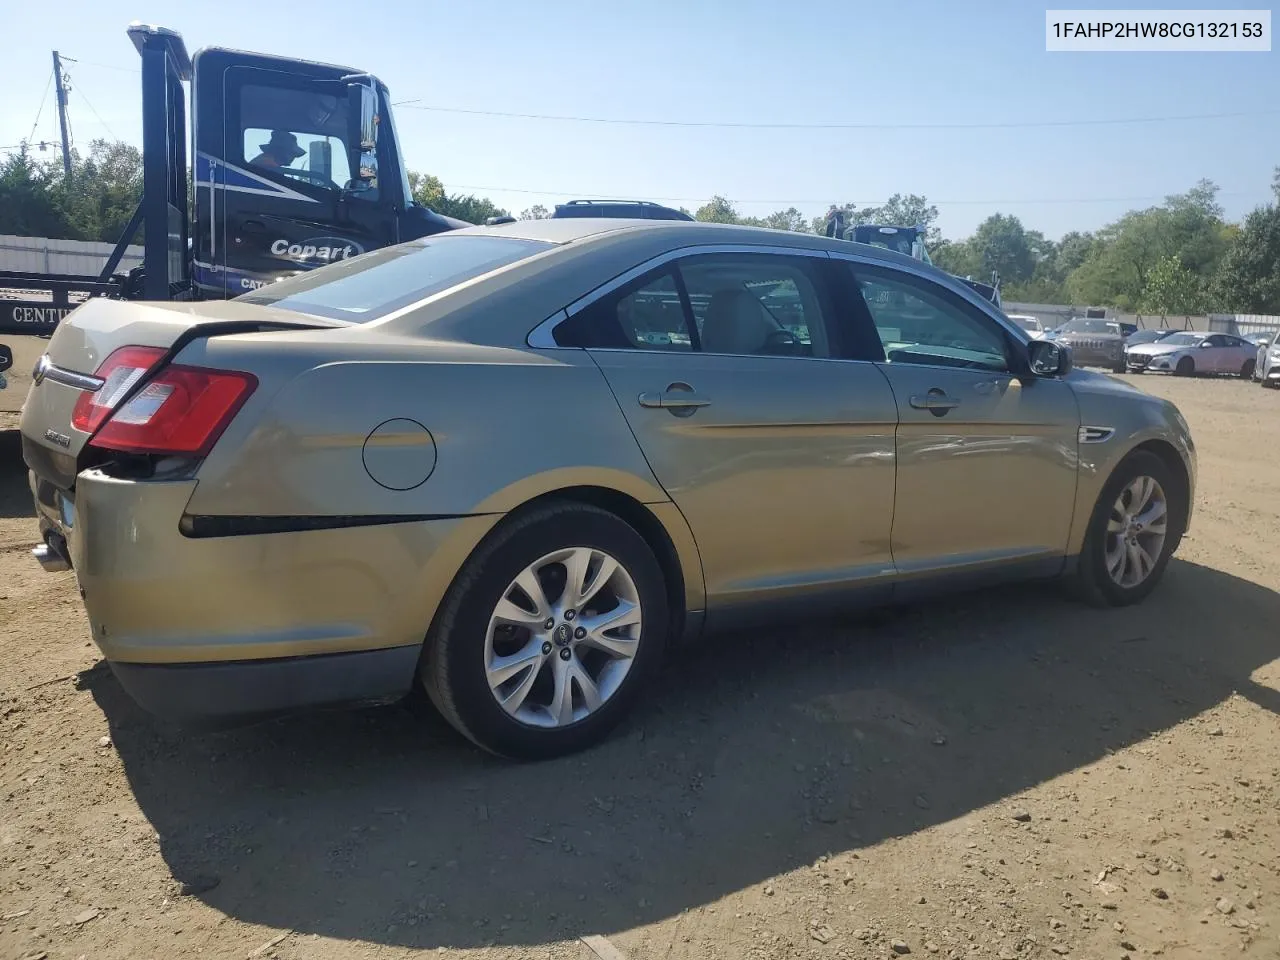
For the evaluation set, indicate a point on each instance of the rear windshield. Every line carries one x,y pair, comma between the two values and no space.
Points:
371,286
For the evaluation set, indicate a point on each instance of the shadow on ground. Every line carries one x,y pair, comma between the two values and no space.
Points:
755,755
15,494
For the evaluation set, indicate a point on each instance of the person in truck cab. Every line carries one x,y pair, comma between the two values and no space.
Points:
280,151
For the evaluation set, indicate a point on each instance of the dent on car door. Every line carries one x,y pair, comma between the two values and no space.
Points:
987,454
779,454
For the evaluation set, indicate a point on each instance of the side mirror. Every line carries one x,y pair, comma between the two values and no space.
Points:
1048,358
362,134
6,358
1205,343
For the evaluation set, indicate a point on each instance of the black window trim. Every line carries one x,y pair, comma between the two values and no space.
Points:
830,303
542,336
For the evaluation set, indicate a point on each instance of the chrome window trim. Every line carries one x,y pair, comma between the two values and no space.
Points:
541,336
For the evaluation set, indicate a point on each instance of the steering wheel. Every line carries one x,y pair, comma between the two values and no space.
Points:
319,179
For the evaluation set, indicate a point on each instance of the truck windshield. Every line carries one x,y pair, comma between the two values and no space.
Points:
367,287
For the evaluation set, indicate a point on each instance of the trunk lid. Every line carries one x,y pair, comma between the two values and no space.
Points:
51,445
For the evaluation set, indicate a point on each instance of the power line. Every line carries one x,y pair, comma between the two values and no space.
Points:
827,200
40,111
837,125
91,107
104,66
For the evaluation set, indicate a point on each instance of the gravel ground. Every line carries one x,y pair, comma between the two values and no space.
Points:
1007,775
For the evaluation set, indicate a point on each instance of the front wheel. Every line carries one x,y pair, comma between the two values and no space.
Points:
1246,372
1185,368
548,633
1135,527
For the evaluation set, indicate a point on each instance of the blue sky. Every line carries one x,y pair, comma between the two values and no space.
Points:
801,61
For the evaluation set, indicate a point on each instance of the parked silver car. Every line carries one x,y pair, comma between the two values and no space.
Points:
1267,362
1094,343
1191,352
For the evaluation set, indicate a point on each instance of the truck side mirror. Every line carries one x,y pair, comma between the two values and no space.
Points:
362,135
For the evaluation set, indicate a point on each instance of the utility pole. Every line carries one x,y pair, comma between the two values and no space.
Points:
62,113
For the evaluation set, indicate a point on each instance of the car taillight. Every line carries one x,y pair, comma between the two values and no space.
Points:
181,412
121,372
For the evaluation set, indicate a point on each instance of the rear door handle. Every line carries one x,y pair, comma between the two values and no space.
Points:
938,401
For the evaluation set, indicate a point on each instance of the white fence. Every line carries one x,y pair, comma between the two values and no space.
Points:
67,257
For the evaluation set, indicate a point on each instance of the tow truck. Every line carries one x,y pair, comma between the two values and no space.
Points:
295,165
910,241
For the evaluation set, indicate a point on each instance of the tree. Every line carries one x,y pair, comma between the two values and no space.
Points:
717,210
536,212
429,192
1172,288
789,219
1248,280
1002,246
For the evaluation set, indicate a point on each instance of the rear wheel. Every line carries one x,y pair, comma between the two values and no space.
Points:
1246,372
1186,367
549,632
1135,527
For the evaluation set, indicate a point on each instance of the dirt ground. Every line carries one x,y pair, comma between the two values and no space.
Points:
1007,775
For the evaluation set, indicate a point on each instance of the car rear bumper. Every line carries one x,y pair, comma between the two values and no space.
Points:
292,601
220,694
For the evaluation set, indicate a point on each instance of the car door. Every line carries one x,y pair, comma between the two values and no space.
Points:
780,454
987,453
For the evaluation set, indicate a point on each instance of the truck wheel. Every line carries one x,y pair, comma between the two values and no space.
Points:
1186,367
1135,527
549,632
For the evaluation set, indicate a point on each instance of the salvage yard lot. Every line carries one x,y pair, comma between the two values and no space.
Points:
1006,775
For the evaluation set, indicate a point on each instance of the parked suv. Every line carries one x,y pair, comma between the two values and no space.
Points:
618,209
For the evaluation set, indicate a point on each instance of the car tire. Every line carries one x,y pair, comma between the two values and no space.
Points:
1186,367
468,636
1095,580
1246,372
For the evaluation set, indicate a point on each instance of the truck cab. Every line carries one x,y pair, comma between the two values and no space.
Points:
297,165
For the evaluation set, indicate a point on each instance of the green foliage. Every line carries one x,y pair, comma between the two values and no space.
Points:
95,203
429,192
536,212
1171,289
1248,280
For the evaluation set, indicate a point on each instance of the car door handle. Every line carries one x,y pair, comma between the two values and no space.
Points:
934,401
673,400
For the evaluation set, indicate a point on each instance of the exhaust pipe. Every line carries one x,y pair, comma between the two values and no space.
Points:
52,554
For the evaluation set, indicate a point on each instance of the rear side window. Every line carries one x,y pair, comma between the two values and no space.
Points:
367,287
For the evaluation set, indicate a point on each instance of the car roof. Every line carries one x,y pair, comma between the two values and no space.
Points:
574,229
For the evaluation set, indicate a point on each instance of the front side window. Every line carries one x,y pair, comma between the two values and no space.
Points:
299,133
367,287
920,322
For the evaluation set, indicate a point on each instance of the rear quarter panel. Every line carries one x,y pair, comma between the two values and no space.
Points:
508,425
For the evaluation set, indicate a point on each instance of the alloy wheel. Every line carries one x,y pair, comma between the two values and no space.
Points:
1136,532
563,637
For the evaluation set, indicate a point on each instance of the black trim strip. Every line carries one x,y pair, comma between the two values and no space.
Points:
205,527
